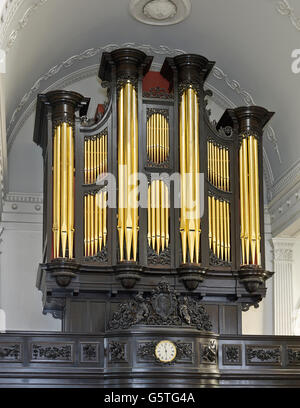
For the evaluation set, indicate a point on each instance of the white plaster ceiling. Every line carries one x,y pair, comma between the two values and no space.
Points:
250,40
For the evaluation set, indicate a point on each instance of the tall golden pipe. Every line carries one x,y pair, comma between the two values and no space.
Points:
85,161
88,225
128,161
209,161
92,162
164,138
190,139
167,139
135,209
96,222
242,204
214,165
214,235
209,223
106,152
225,231
167,215
218,227
150,120
149,216
103,151
100,220
55,224
98,157
223,186
85,225
228,229
257,218
148,138
92,217
70,190
153,193
64,190
121,196
246,200
252,200
227,170
197,180
222,229
104,213
162,215
183,226
157,215
218,166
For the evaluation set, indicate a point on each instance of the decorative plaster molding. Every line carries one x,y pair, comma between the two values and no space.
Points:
22,23
8,11
20,209
24,198
248,99
283,7
283,249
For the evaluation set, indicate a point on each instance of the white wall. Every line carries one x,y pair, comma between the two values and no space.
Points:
296,287
21,301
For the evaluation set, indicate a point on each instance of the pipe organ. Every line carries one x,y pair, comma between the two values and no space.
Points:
151,190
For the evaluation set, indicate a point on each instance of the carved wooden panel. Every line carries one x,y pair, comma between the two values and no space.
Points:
52,352
293,355
117,352
232,354
209,352
263,355
11,352
89,352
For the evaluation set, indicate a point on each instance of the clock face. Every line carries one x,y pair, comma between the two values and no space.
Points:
165,351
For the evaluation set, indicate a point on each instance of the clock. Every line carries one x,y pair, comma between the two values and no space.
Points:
165,351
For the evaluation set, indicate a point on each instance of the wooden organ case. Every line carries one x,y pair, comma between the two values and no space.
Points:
134,240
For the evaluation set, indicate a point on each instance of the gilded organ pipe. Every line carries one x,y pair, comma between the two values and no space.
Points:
157,138
249,201
128,168
158,216
63,191
95,222
189,168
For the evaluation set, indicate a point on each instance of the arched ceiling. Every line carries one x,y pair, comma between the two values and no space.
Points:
250,40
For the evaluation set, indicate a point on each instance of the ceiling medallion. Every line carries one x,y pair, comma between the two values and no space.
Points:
160,12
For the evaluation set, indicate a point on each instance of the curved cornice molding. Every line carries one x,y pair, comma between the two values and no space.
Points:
283,7
162,50
21,24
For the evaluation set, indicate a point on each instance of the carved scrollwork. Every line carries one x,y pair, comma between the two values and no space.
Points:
158,93
89,352
257,354
164,258
10,352
52,352
209,352
117,351
185,85
293,356
164,307
215,261
232,354
101,256
163,112
126,78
